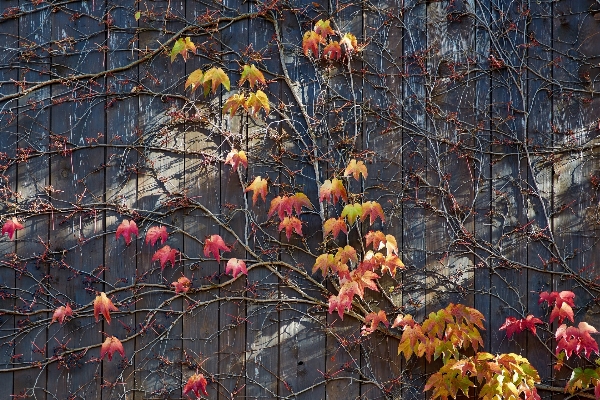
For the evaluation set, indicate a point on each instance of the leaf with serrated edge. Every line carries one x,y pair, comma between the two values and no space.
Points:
252,74
258,187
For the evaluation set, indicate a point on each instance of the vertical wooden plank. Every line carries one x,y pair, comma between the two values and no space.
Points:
9,30
32,176
76,119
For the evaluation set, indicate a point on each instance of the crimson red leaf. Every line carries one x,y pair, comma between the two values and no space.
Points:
110,345
212,245
103,305
236,267
11,226
164,254
155,233
126,229
196,384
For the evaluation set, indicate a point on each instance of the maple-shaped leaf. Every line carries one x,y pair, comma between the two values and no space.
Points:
300,200
372,261
103,305
323,263
196,384
335,225
403,320
468,315
323,28
182,285
235,158
562,312
252,75
349,43
61,313
11,226
352,212
391,263
110,345
335,188
373,210
310,43
342,271
582,378
155,233
195,80
236,267
575,340
213,78
411,337
345,254
557,299
182,46
513,325
343,301
212,245
256,101
391,245
355,169
234,102
283,205
126,229
374,319
377,238
164,254
333,51
258,187
364,279
291,224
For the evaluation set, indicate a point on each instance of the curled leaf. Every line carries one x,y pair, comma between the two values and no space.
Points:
258,100
213,78
236,267
165,254
110,346
182,285
126,229
103,305
61,313
182,46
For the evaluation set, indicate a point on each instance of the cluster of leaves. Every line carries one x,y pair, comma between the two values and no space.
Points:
333,48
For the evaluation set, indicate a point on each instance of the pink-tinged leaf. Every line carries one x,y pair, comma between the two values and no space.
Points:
291,224
235,157
236,267
212,245
283,205
165,254
103,305
61,313
11,226
512,326
343,301
374,319
335,188
196,384
155,233
555,298
126,229
182,285
403,320
576,339
258,187
110,346
562,312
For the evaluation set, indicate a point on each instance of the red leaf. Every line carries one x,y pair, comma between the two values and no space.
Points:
374,319
575,340
155,233
291,224
61,313
182,285
236,267
212,245
259,187
562,312
343,301
103,305
335,225
333,50
364,279
126,229
555,298
235,157
11,226
196,384
110,345
164,254
282,205
335,188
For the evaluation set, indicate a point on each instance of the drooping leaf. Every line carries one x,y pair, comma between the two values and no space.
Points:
333,50
323,263
103,305
373,210
234,102
213,78
212,245
352,212
343,301
356,169
182,285
236,267
61,313
377,238
513,325
110,346
11,226
374,319
282,205
300,200
557,299
391,264
252,74
236,157
126,229
195,80
291,224
364,279
335,188
335,225
182,46
196,384
310,43
562,312
155,233
582,378
323,28
258,187
576,339
258,100
165,254
345,254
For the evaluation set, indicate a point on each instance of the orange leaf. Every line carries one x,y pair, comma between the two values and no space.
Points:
373,210
355,169
110,345
343,301
235,157
182,285
335,188
323,263
103,305
323,28
195,80
345,254
374,319
155,233
291,224
252,75
364,279
61,313
11,226
258,100
259,187
335,225
283,205
310,43
236,267
196,384
333,50
126,229
213,78
234,102
212,245
164,254
300,200
349,43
